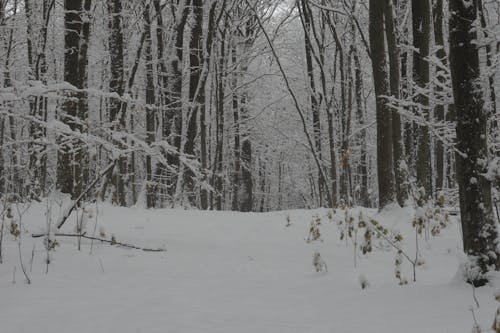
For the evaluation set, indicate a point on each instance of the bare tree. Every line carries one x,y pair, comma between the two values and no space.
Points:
478,225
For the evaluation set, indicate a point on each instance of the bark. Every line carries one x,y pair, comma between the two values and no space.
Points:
489,63
360,113
219,150
400,169
70,175
246,191
235,204
172,122
385,165
421,17
478,225
437,15
38,105
343,107
150,108
197,102
314,101
116,85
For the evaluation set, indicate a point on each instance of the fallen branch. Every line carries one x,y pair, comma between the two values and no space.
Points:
84,193
80,197
111,241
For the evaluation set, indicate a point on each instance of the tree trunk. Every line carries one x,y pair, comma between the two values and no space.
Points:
400,168
421,17
385,165
360,113
478,225
437,14
116,85
491,77
196,96
314,101
219,150
235,204
172,122
70,157
150,108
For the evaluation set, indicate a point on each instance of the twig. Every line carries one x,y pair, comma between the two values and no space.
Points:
102,267
32,257
82,195
388,240
109,241
95,226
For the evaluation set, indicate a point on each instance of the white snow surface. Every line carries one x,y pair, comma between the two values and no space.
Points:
233,272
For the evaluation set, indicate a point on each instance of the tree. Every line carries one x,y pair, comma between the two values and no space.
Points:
421,23
71,156
478,225
400,168
116,85
385,165
196,97
306,18
150,107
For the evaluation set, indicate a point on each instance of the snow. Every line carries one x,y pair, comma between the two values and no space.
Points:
234,272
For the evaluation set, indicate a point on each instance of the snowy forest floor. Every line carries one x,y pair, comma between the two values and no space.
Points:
232,272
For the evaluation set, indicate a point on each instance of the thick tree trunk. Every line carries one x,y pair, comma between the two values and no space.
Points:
421,18
116,85
478,225
70,176
196,97
385,165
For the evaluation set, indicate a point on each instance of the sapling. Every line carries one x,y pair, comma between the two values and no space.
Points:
21,209
101,229
318,263
398,261
363,281
315,235
314,232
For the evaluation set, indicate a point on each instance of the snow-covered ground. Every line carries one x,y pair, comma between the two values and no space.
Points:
232,272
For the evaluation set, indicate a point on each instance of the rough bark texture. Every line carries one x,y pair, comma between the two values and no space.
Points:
478,225
313,94
421,22
400,169
196,94
150,109
116,85
172,122
385,165
69,171
437,15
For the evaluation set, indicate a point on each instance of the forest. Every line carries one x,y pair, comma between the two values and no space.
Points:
367,129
